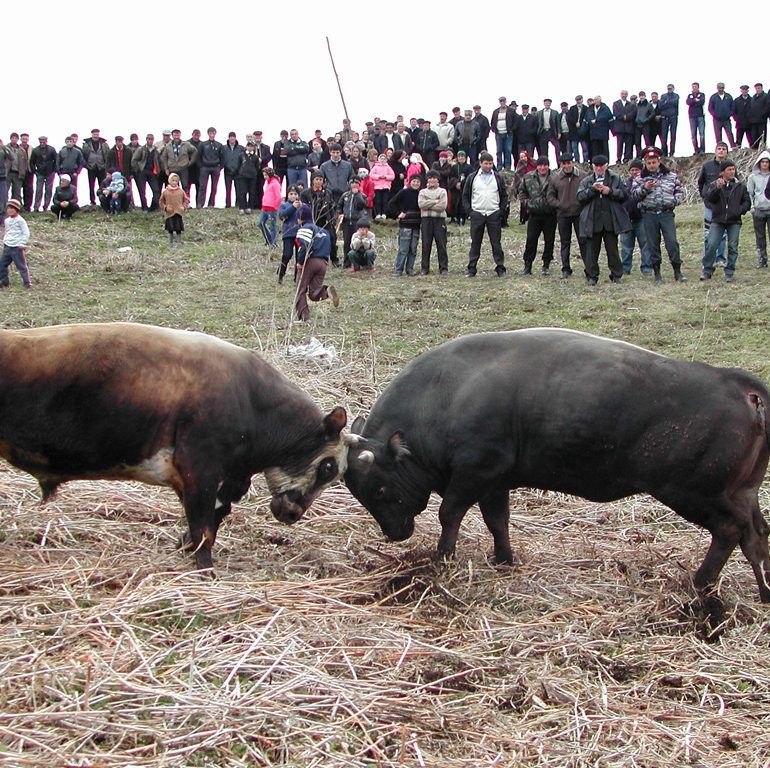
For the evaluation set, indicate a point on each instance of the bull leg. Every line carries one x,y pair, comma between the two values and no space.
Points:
495,508
453,508
754,547
705,579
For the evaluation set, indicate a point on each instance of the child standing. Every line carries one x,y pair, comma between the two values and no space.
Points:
351,206
404,207
362,254
14,244
174,202
289,215
367,188
312,259
382,177
271,200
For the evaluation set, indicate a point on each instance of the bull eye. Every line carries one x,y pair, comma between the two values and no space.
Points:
380,492
327,469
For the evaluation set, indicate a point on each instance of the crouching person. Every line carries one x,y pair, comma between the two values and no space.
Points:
64,203
361,254
312,261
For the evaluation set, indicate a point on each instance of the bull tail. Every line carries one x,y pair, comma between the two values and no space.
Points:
761,416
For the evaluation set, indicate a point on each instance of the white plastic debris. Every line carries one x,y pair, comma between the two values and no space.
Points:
125,249
315,351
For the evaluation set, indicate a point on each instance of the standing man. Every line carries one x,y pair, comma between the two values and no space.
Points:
432,202
710,171
95,150
659,191
758,112
599,120
29,177
210,159
42,163
444,130
741,107
548,131
194,170
119,159
636,233
484,129
575,115
721,111
527,131
70,161
280,158
669,113
467,136
165,140
177,157
19,166
485,199
542,217
337,174
263,158
564,139
231,162
502,125
696,100
562,197
624,126
656,124
145,164
602,218
297,151
427,143
645,120
729,200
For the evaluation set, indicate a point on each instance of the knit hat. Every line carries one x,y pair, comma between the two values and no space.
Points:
305,213
443,153
364,222
13,203
636,163
65,177
362,173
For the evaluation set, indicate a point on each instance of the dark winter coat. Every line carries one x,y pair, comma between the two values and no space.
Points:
728,203
599,120
587,197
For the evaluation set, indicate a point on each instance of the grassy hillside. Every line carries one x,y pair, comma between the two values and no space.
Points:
321,644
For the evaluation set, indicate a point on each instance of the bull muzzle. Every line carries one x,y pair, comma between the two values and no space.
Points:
288,507
397,530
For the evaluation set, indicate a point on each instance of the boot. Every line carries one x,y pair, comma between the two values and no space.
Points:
678,276
281,272
656,272
762,263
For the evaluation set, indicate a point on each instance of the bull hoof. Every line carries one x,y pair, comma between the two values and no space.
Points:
203,562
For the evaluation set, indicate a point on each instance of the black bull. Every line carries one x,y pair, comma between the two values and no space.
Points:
165,407
567,411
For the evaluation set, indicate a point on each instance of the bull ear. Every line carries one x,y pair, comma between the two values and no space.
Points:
335,421
357,427
397,447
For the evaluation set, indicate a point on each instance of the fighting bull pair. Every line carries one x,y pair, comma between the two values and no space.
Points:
544,408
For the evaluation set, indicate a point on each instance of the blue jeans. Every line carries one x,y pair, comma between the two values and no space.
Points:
627,240
655,225
668,134
267,222
698,125
707,214
407,250
504,143
716,233
576,147
295,175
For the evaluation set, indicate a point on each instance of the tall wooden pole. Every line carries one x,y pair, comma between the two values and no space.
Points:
339,87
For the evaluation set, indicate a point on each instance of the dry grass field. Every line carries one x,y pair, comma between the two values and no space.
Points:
322,644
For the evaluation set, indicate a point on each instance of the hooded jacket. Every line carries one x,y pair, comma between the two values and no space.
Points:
756,184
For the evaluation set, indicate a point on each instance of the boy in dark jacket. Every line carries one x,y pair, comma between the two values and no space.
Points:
350,207
405,208
729,200
288,213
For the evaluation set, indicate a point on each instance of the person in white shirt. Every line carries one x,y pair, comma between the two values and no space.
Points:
14,244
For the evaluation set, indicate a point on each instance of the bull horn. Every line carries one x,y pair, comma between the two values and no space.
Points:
366,456
352,439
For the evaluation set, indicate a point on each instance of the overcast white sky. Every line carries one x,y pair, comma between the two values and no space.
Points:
146,66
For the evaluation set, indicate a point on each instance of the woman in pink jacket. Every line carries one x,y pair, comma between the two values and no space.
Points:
382,176
271,199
